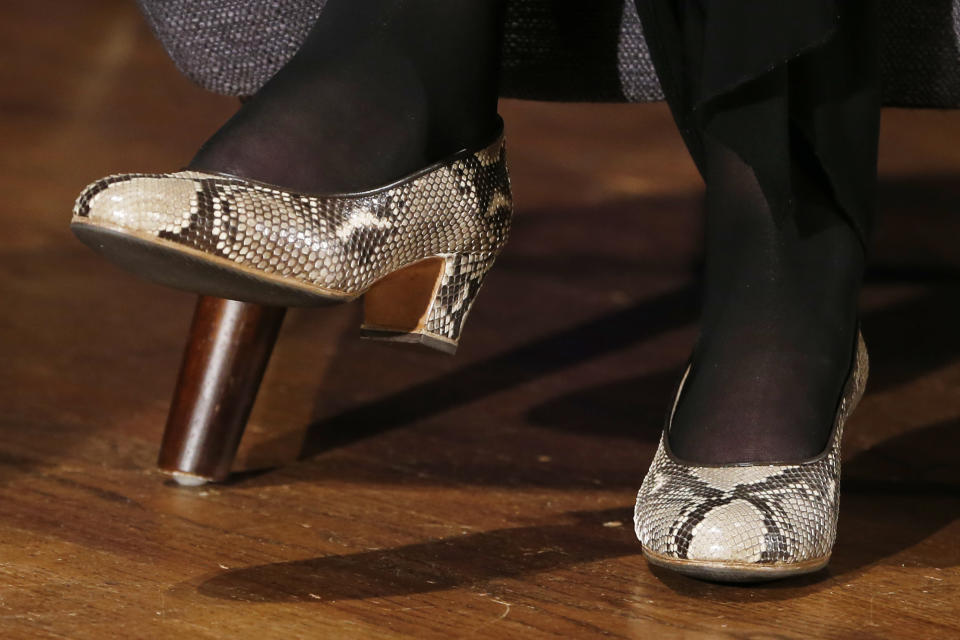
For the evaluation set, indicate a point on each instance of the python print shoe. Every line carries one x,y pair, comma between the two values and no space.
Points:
745,522
418,248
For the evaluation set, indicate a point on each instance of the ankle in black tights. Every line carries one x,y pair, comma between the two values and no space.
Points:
379,89
778,323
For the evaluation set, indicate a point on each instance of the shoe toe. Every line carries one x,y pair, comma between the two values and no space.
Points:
732,532
147,204
758,515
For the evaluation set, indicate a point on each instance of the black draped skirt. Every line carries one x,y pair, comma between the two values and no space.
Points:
764,78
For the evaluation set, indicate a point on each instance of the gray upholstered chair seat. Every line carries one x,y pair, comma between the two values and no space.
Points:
553,50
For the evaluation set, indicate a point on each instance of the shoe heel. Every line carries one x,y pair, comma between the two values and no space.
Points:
427,302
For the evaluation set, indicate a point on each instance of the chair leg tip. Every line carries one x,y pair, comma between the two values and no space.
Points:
188,479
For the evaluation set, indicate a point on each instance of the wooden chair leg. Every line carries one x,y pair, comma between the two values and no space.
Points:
227,352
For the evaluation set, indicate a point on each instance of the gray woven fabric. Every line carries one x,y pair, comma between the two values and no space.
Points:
553,49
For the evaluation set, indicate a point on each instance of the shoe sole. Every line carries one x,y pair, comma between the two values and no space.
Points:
403,338
181,267
715,571
187,269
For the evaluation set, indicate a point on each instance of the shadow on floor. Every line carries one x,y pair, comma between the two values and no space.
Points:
907,339
538,358
893,501
898,494
437,565
914,337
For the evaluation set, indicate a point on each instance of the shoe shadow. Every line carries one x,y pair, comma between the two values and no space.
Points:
518,366
911,338
438,565
631,410
897,495
634,408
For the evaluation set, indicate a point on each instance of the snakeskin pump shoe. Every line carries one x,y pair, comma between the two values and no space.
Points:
745,522
417,249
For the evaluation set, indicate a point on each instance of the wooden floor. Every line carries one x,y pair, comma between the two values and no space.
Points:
391,493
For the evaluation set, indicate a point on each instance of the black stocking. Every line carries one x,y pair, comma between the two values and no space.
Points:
379,89
780,108
778,324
